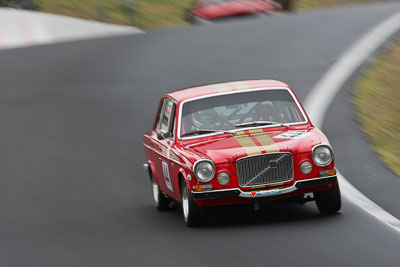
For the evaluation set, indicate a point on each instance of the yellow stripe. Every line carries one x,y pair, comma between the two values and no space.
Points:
239,133
280,185
248,145
267,142
255,131
258,187
276,184
222,87
239,85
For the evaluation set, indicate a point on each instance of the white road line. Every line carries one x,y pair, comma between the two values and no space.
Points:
20,28
324,92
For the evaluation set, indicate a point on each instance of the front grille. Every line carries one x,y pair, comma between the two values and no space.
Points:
265,169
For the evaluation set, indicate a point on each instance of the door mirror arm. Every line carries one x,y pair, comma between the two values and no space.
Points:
161,135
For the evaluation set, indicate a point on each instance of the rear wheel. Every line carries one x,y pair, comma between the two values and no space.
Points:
193,215
160,200
329,201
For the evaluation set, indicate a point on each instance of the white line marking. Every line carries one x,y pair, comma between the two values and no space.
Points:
324,92
354,195
20,28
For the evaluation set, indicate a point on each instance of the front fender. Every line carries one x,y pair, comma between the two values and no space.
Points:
153,172
184,174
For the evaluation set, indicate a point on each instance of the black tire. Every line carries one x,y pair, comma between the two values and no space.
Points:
328,201
161,202
193,215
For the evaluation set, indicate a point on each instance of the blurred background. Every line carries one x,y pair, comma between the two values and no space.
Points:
148,13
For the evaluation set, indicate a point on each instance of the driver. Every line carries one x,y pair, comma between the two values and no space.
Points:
205,119
266,112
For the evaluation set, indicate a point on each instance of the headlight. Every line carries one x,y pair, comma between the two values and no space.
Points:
306,167
204,170
322,155
223,178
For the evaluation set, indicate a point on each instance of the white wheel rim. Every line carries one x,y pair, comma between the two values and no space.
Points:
155,192
185,204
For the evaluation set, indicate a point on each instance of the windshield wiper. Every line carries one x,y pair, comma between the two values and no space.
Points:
204,131
260,123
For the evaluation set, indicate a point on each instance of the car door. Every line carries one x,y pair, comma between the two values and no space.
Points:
163,143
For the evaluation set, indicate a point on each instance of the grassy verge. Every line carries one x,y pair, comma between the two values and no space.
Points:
377,100
140,13
149,14
310,4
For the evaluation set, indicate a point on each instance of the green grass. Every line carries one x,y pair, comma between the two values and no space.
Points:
148,14
377,101
310,4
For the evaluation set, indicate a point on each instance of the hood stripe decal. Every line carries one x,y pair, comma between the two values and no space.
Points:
269,144
232,86
252,146
248,145
240,85
223,87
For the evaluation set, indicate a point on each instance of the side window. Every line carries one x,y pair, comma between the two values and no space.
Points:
166,119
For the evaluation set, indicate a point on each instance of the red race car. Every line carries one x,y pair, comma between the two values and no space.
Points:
218,9
234,143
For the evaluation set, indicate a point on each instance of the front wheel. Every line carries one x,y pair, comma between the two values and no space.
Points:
328,201
193,215
160,200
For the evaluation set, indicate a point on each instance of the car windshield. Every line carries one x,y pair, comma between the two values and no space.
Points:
239,110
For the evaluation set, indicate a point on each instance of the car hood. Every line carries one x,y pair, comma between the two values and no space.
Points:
228,148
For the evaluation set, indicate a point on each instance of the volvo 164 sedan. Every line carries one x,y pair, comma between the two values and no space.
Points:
235,143
212,10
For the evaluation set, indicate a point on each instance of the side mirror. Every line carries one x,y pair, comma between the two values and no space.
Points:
161,135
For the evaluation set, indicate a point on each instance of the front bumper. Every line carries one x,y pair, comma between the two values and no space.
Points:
237,192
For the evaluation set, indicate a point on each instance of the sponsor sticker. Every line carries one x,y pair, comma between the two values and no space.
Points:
166,175
267,193
292,135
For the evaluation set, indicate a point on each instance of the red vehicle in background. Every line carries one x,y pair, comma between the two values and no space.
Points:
235,143
217,9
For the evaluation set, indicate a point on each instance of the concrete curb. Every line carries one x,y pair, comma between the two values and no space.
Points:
19,28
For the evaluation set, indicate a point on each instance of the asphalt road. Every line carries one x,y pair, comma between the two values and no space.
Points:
72,188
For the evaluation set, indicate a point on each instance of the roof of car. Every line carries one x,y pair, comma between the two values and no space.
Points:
209,89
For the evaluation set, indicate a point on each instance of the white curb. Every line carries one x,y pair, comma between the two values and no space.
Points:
322,95
20,28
